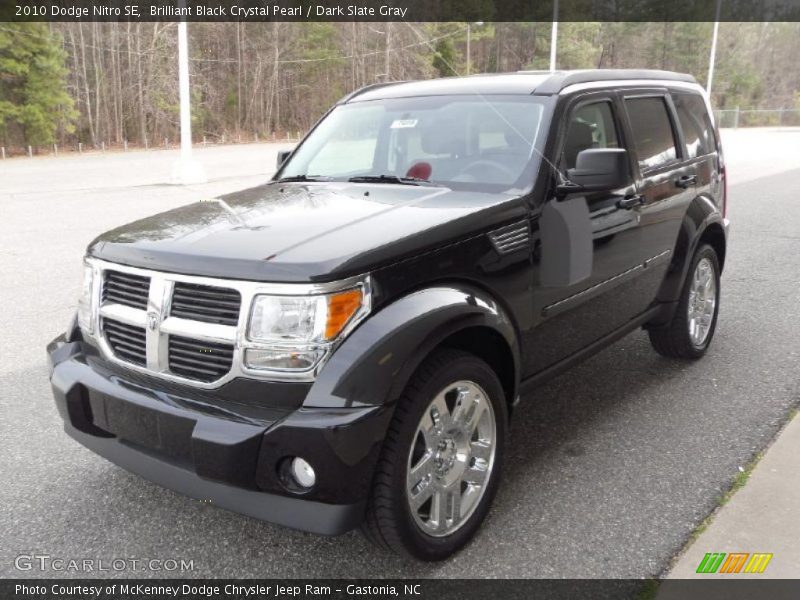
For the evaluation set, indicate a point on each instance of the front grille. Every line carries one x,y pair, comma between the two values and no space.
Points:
125,288
205,303
127,341
195,359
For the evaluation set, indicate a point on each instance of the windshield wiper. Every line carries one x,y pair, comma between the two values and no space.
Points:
302,178
387,179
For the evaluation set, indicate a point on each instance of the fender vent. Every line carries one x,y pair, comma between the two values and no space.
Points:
511,238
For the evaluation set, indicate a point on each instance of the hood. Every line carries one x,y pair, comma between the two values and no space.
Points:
293,232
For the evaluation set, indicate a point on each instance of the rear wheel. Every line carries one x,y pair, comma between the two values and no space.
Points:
689,333
439,467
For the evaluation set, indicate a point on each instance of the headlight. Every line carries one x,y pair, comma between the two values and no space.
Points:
85,301
295,332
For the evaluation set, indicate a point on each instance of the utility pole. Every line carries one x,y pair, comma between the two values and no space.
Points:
554,37
713,56
186,169
387,51
469,50
469,45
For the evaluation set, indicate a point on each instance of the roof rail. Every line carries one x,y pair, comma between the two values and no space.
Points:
366,88
561,79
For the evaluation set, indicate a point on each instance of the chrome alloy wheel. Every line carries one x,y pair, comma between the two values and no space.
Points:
451,458
702,301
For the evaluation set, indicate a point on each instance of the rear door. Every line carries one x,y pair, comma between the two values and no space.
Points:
665,180
700,144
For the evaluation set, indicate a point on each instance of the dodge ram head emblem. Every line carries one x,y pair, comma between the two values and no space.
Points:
152,321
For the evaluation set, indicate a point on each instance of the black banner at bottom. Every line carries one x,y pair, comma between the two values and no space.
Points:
404,589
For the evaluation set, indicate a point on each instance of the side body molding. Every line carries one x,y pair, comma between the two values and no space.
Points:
374,364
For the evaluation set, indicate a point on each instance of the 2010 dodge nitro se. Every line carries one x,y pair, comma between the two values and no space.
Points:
343,345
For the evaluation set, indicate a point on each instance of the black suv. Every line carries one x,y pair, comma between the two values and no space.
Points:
344,344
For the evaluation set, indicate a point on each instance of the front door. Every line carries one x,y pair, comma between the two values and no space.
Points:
569,318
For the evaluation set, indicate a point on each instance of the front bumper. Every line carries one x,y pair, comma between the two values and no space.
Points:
223,452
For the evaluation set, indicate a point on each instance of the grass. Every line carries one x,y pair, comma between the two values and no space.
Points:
739,481
649,590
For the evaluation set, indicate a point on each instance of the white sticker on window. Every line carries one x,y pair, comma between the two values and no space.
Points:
403,123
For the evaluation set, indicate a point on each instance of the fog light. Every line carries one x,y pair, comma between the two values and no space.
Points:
285,360
303,473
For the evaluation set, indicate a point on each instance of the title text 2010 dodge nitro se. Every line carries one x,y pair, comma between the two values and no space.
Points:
342,346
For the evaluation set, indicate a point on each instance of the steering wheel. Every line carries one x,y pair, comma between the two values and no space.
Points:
484,163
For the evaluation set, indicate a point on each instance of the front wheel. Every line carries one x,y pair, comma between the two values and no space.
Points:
440,464
689,333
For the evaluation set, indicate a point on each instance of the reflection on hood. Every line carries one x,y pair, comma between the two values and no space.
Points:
308,228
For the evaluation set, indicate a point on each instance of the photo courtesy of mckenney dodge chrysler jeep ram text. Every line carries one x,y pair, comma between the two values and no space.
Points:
343,345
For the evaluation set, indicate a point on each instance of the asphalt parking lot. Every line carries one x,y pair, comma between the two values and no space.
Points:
610,466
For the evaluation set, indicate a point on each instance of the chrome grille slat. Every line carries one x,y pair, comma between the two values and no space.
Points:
128,352
220,304
125,288
140,310
187,357
179,308
127,341
193,345
191,350
205,303
177,359
129,287
192,356
130,357
201,316
127,298
119,340
185,362
181,341
205,361
207,291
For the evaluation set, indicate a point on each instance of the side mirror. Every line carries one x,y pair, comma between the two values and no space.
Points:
282,156
598,170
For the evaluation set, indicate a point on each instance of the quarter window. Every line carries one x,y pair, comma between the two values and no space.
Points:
697,129
652,131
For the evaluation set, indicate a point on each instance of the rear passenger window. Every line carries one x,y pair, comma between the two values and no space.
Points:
590,126
652,131
695,123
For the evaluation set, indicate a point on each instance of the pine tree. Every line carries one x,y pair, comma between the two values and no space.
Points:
445,58
34,102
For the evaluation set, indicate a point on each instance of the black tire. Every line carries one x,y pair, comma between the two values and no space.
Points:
389,522
674,340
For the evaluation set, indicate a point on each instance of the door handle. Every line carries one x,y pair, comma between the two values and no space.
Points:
686,181
629,202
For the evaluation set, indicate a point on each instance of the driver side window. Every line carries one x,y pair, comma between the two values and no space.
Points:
590,126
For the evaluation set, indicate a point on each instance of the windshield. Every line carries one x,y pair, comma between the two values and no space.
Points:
483,143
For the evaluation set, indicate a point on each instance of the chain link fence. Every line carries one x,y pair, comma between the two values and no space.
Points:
752,117
165,144
727,118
